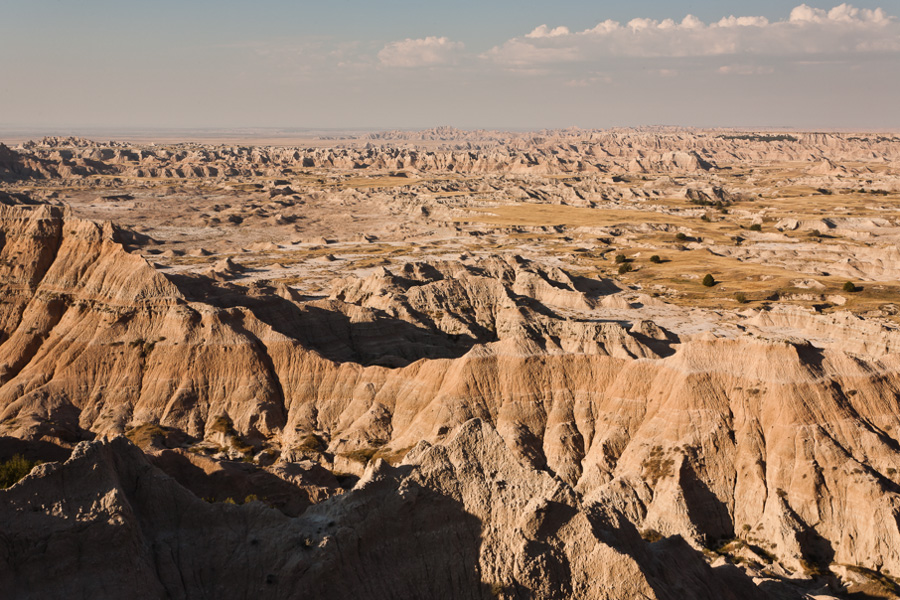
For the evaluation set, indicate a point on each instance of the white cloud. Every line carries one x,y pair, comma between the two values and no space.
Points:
807,14
692,22
843,13
607,26
543,31
424,52
733,21
807,31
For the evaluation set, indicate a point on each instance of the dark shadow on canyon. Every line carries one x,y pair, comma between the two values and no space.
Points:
382,541
385,340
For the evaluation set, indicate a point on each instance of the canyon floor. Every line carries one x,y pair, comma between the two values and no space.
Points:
637,363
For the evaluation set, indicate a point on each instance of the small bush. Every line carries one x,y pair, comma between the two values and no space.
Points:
655,259
709,280
651,535
656,466
762,552
756,227
849,286
741,298
222,424
146,434
620,258
311,443
624,268
392,456
14,469
680,236
361,455
144,347
811,569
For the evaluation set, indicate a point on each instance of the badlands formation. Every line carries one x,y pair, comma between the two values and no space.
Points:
450,364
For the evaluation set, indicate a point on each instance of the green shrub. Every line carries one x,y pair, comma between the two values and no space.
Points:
680,236
620,258
709,280
624,268
849,286
14,469
741,298
756,227
655,259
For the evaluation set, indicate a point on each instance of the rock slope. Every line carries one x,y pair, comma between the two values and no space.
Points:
463,519
602,426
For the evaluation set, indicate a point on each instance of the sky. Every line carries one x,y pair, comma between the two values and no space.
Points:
496,64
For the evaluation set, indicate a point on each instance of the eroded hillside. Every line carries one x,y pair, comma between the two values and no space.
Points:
498,346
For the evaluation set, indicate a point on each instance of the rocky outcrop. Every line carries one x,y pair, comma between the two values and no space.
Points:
462,519
14,166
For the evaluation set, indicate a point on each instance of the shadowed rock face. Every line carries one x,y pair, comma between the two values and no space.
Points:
463,519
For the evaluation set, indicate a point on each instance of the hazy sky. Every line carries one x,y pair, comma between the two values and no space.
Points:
522,64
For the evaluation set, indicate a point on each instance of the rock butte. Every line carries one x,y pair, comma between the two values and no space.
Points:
413,361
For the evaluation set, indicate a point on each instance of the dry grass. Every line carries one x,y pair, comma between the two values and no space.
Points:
392,457
682,269
147,434
383,181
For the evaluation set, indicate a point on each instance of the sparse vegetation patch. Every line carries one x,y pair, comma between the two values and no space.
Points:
14,469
